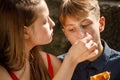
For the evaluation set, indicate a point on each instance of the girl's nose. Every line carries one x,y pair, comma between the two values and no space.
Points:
52,23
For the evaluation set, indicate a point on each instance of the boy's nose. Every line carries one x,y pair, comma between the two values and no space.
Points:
82,33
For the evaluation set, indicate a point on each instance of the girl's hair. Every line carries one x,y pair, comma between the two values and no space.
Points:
14,15
78,8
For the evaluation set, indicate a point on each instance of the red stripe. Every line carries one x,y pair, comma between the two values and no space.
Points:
50,67
13,76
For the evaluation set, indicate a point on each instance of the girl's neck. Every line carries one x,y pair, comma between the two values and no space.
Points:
24,73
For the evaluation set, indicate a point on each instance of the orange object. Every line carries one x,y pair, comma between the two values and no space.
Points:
101,76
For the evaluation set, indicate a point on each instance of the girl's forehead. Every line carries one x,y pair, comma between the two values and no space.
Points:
42,9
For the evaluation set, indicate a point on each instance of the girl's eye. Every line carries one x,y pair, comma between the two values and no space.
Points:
45,21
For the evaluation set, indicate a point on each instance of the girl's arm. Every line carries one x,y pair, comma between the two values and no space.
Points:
80,51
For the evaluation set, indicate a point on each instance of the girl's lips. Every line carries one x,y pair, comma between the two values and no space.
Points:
52,34
52,31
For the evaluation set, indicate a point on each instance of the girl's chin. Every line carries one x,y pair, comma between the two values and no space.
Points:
49,41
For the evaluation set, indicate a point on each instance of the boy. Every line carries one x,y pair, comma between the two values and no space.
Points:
82,17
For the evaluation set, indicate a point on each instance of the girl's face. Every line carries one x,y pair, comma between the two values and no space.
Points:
77,29
41,31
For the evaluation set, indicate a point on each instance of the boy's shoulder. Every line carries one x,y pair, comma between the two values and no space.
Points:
62,56
115,54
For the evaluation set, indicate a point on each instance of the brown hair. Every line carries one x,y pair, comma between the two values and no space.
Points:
14,15
78,8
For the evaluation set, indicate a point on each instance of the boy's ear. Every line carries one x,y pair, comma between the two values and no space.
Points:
26,32
102,23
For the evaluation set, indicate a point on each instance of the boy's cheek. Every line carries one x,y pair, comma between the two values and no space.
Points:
73,40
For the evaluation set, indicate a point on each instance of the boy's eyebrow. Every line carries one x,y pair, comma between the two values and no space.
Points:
86,20
66,25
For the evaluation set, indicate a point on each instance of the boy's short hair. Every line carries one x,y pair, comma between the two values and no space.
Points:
78,8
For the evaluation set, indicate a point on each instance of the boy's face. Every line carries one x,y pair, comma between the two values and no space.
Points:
77,29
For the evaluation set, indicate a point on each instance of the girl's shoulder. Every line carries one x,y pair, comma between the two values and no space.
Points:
4,75
56,63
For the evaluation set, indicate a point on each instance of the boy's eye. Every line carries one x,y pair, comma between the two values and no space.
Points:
71,29
86,25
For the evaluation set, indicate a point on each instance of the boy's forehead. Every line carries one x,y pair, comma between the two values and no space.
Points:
72,20
75,19
76,15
